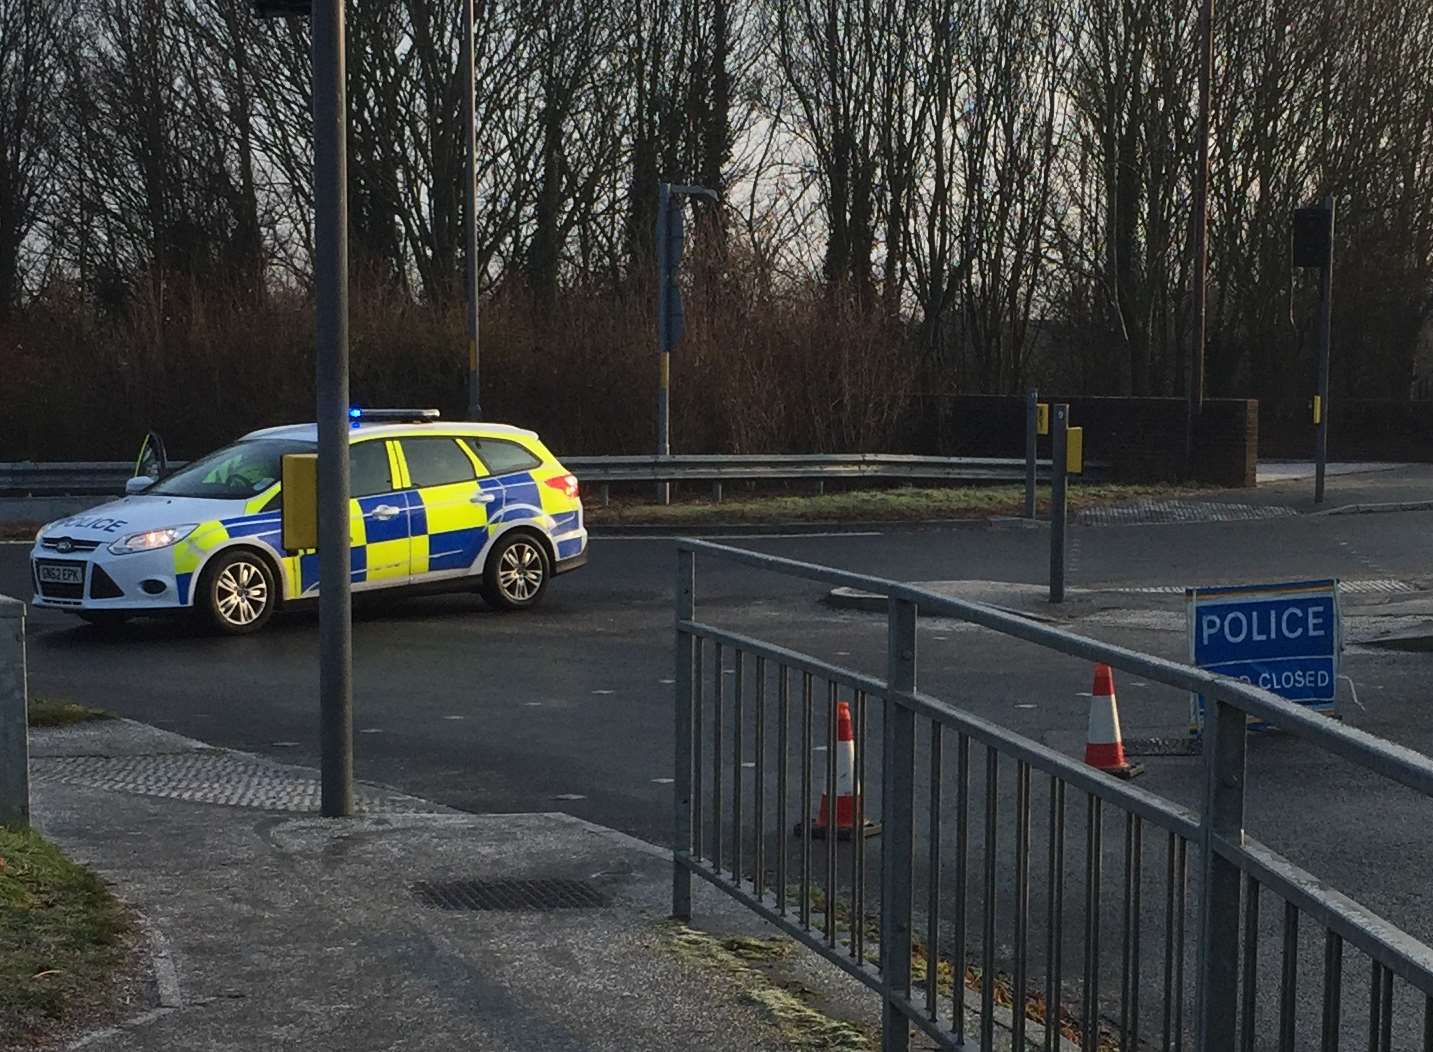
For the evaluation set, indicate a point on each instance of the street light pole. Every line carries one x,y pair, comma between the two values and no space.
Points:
1201,231
1321,449
470,209
335,622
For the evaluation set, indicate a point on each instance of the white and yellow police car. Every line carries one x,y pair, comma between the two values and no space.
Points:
435,507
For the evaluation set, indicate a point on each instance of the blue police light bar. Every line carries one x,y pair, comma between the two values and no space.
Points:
405,416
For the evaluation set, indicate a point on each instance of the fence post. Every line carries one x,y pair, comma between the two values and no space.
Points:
1059,434
685,609
1032,402
14,722
898,807
1224,771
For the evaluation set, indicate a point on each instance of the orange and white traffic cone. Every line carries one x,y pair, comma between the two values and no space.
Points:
1104,747
848,790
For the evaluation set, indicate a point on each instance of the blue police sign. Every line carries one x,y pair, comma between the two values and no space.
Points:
1286,638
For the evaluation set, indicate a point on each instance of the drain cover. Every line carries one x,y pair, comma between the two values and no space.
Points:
1162,747
530,895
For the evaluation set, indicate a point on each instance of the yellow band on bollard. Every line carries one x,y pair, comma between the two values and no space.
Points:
1042,418
1318,409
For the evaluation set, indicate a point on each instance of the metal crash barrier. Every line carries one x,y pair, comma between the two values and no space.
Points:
997,887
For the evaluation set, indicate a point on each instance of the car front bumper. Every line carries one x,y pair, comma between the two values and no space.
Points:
136,582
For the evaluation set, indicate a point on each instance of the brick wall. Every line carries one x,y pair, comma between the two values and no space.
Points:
1359,429
1140,439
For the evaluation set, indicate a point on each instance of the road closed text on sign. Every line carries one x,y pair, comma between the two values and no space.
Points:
1285,638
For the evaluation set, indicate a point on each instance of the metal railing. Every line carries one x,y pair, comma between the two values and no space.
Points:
1001,919
100,478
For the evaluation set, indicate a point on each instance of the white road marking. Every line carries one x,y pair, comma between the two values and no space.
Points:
532,704
666,682
718,538
569,796
604,692
749,763
1083,694
371,730
27,543
455,717
843,653
283,745
818,748
1025,705
663,781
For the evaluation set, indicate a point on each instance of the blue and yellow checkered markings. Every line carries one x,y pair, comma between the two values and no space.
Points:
191,552
383,542
566,522
449,529
308,568
521,498
566,549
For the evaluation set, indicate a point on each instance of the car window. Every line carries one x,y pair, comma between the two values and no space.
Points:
436,461
368,471
500,456
244,469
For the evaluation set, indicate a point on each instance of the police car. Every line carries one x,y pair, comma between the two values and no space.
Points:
435,507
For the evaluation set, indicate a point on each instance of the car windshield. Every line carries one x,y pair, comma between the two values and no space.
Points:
241,470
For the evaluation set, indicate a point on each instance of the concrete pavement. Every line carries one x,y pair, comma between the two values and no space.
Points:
268,927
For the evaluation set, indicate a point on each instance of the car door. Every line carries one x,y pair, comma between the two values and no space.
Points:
507,469
448,508
379,519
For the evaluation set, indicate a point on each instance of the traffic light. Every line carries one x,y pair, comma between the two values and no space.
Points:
675,241
1313,236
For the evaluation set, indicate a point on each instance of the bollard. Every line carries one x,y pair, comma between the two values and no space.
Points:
1032,405
14,726
1059,469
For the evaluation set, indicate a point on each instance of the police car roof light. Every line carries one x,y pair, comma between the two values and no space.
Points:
407,416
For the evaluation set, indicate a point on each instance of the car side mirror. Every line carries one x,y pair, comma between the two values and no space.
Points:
137,484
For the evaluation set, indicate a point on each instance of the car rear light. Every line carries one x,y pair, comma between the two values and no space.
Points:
566,483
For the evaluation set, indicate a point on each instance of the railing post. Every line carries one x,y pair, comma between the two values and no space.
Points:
14,722
1032,402
898,806
1223,818
685,610
1059,433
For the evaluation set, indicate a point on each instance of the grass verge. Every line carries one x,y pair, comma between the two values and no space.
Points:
63,940
44,712
744,959
905,504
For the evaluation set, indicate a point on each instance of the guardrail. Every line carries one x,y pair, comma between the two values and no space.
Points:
104,478
733,691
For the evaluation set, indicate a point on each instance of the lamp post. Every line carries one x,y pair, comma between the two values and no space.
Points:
470,209
330,181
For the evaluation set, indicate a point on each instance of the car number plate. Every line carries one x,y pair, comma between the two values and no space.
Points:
54,573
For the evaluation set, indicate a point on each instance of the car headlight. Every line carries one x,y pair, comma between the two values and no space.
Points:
152,539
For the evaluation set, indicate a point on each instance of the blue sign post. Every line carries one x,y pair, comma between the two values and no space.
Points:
1286,638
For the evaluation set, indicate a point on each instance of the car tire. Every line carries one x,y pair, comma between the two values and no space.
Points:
237,593
516,573
104,619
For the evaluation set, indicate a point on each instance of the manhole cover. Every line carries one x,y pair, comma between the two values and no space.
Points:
529,895
1162,747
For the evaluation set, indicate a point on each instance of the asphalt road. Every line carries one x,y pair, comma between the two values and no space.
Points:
569,707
